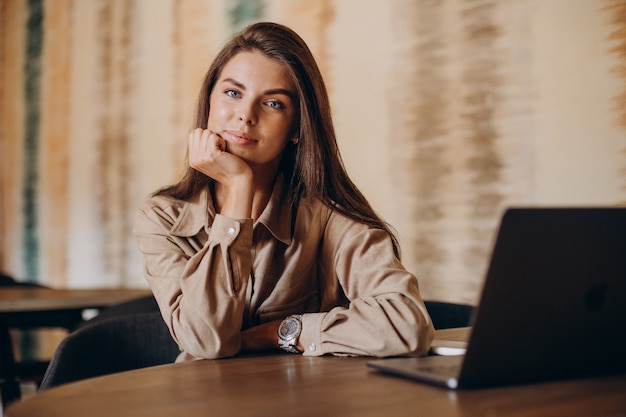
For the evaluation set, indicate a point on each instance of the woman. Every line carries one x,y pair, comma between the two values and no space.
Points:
266,242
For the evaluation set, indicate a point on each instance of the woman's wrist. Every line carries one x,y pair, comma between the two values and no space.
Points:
260,338
236,199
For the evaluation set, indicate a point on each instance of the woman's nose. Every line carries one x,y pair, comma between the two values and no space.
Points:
247,114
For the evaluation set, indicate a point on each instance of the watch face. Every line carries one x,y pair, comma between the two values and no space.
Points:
288,328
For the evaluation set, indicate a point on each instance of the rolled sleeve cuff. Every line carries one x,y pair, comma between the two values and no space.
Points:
311,336
225,229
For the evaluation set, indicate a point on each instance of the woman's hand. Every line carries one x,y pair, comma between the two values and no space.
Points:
208,153
261,338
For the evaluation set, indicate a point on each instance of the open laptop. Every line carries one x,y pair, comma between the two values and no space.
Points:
553,305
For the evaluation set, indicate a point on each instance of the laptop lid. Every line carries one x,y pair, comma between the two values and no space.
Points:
554,300
553,304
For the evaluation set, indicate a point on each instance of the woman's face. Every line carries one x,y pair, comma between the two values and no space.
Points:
253,108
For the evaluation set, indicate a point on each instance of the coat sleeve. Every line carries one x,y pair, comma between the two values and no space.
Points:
386,315
198,281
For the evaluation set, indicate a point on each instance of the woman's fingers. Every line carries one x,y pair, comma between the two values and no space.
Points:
208,153
204,147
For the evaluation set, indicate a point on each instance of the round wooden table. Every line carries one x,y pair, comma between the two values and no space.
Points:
294,385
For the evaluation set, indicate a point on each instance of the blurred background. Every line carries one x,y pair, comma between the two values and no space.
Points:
447,112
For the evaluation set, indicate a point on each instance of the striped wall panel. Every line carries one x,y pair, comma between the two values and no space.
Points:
446,113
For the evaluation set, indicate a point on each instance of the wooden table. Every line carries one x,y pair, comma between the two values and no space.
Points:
37,307
29,299
294,385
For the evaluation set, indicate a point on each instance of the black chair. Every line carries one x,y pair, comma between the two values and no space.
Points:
109,345
138,305
449,315
27,369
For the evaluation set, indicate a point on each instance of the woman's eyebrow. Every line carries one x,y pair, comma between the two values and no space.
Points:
282,91
235,82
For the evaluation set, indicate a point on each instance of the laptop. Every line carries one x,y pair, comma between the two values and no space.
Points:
553,304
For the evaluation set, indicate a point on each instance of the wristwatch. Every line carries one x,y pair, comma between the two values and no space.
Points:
288,333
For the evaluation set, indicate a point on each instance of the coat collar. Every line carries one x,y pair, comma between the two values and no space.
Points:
277,215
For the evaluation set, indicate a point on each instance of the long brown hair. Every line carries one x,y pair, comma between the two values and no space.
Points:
313,167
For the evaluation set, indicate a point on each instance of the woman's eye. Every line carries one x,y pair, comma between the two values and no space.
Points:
232,93
275,104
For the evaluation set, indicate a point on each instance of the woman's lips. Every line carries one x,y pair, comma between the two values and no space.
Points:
240,138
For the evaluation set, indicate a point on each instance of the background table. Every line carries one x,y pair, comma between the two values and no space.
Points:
34,300
294,385
36,307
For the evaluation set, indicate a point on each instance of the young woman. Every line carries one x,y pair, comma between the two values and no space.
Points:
266,242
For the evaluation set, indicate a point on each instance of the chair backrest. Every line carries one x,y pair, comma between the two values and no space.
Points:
138,305
449,315
26,368
111,345
9,281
